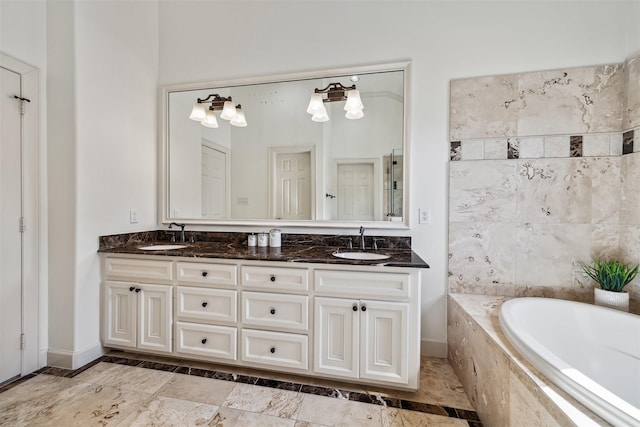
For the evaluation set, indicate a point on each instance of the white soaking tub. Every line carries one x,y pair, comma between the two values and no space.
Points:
591,352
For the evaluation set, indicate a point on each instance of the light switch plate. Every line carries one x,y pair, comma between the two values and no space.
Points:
424,216
133,216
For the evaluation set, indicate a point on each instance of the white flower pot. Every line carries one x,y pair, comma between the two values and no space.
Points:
617,300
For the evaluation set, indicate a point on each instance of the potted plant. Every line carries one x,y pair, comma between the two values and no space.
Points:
612,276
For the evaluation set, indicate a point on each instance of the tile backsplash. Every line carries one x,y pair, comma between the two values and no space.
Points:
544,174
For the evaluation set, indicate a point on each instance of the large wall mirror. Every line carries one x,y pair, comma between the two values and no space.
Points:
288,166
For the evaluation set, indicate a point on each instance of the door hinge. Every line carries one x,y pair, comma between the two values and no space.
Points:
22,225
21,341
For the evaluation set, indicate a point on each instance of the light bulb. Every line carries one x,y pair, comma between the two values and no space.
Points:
228,111
354,103
198,112
315,104
210,120
239,119
353,115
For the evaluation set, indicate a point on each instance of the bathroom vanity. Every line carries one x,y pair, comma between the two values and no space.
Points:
297,309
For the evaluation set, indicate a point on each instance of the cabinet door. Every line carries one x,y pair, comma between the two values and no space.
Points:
120,312
383,341
155,317
336,326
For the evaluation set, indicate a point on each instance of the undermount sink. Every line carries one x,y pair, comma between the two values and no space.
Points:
161,247
360,255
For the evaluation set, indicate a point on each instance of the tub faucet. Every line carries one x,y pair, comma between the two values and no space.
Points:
362,246
182,238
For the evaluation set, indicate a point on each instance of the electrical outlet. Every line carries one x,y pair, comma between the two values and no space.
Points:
424,216
133,216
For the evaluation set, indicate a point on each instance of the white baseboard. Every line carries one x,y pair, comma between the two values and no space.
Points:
74,359
433,348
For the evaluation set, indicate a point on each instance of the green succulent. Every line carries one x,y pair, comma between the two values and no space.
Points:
612,275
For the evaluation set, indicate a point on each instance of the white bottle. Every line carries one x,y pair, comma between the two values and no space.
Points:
263,239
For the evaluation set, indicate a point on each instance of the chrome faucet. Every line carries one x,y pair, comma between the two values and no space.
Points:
182,238
362,246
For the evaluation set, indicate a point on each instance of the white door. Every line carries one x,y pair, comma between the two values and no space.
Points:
384,335
293,186
10,235
336,337
121,311
355,192
155,317
214,182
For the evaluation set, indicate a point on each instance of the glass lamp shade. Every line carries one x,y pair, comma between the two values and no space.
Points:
228,111
316,105
354,115
354,103
320,117
239,119
210,120
198,113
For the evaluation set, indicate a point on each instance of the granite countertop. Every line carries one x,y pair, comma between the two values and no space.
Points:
287,253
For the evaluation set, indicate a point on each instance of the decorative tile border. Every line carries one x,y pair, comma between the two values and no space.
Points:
470,416
551,146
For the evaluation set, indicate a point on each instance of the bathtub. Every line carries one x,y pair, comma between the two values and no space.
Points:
591,352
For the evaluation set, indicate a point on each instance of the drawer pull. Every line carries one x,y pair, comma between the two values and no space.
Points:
204,304
204,341
355,307
132,288
272,311
138,290
205,273
272,278
364,307
272,350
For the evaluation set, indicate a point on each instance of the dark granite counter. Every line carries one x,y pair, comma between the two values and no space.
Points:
234,246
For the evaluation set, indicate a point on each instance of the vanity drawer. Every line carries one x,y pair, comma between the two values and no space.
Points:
275,310
207,274
284,278
207,340
206,305
275,349
138,269
363,284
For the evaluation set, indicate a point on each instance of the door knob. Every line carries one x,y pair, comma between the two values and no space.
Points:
205,273
272,350
364,307
272,311
272,278
204,341
204,304
355,307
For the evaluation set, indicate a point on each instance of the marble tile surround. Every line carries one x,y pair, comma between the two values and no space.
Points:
520,227
552,179
555,102
504,389
125,389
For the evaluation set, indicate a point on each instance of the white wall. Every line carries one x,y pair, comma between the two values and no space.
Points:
103,114
444,40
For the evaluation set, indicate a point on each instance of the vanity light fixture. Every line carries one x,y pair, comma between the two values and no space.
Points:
207,116
335,92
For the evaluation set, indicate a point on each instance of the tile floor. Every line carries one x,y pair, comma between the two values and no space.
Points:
123,389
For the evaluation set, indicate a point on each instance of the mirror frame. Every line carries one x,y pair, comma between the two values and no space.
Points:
163,200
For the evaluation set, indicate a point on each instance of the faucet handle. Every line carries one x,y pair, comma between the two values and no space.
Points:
375,243
350,239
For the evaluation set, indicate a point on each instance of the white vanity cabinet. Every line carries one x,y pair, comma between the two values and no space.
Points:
137,314
207,310
354,322
359,337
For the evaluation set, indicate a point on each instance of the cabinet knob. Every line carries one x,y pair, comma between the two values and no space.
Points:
204,341
132,288
272,311
138,290
355,307
272,278
272,349
364,307
204,303
205,273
